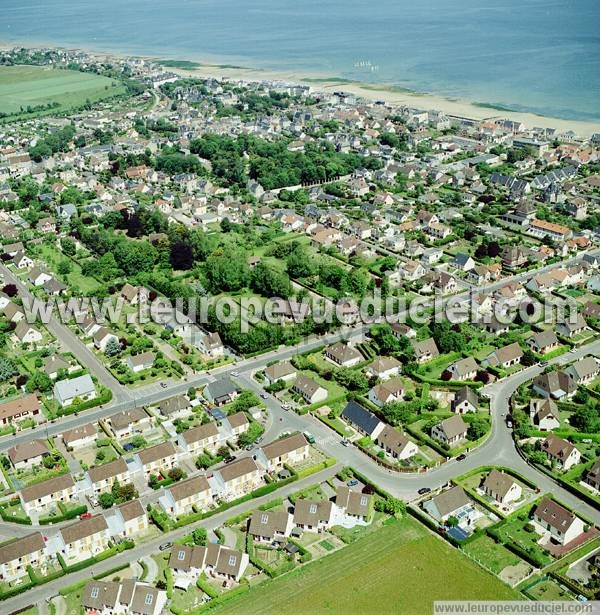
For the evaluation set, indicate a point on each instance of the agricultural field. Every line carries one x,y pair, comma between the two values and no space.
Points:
37,90
377,574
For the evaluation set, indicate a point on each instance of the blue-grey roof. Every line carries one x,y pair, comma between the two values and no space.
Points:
361,417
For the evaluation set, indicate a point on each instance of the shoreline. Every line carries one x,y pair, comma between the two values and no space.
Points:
392,94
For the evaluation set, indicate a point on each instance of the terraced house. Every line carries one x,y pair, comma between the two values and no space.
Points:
105,476
17,555
236,479
86,538
187,495
41,496
157,459
289,450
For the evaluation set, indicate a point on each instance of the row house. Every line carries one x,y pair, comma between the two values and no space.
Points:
158,459
17,555
40,496
85,538
236,479
105,476
187,496
289,450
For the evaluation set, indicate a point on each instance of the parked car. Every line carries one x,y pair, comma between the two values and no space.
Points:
345,442
423,490
235,374
352,483
85,515
309,437
165,546
264,395
461,457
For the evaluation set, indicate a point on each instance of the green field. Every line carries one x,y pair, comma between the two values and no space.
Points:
32,86
401,568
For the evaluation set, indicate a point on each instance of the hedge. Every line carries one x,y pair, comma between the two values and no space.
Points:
203,584
67,516
318,467
241,589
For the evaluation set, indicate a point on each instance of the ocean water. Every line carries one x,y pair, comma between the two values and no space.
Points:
541,56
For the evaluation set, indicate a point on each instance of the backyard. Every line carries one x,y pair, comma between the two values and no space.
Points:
357,578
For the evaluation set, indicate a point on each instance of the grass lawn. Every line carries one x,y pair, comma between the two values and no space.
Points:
513,530
376,575
187,600
549,589
23,86
491,555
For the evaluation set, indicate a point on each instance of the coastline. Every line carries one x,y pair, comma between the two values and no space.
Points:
389,93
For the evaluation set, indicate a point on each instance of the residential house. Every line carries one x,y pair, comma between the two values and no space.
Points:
16,556
453,502
544,414
236,479
40,496
592,476
362,420
386,392
562,525
221,392
158,459
505,357
20,409
25,456
26,333
81,388
102,336
187,496
129,520
310,390
585,370
555,384
384,368
313,516
269,526
198,439
129,422
280,371
464,369
55,364
396,444
343,355
354,504
465,400
450,431
80,437
125,598
85,538
560,452
425,350
175,407
214,559
140,362
571,326
501,487
289,450
543,342
105,476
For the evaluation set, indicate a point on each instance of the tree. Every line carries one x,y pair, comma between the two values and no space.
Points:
269,283
39,381
175,474
477,429
106,500
7,369
254,431
452,521
10,289
586,419
390,506
299,264
64,267
199,536
68,246
352,380
204,461
113,348
528,358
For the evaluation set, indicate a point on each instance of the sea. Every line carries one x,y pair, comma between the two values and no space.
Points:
540,56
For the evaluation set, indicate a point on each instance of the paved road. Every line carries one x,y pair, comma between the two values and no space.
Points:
72,343
43,592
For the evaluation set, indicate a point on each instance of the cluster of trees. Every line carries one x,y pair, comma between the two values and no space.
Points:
271,163
51,144
118,494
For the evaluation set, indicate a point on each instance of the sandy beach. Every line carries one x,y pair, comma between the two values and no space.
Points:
372,91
